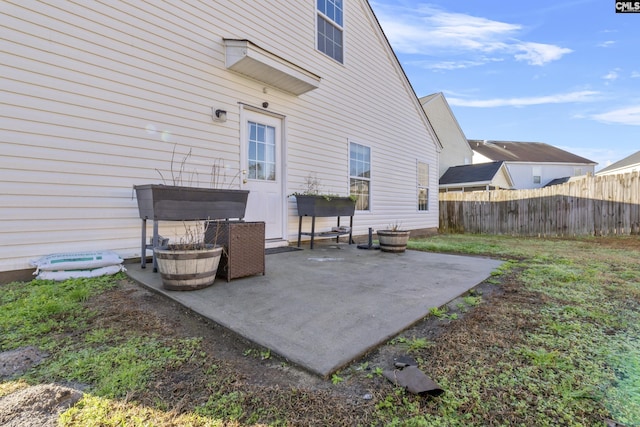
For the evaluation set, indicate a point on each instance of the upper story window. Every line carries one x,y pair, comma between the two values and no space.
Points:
537,174
330,28
360,174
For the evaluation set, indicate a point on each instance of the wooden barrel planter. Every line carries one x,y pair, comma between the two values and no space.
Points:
393,241
188,270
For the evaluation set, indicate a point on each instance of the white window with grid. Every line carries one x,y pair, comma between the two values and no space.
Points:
261,153
360,175
330,28
423,186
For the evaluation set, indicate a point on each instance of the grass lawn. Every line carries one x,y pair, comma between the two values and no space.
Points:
555,342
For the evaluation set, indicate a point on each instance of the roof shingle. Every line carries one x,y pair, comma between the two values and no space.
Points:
468,174
511,151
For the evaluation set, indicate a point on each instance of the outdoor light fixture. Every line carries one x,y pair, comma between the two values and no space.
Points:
219,115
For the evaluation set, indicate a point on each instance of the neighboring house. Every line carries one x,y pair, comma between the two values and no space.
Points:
455,148
531,164
626,165
479,177
97,95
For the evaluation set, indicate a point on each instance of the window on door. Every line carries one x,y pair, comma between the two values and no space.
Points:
262,152
360,174
423,186
330,28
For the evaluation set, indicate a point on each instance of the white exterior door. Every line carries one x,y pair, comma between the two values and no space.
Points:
263,171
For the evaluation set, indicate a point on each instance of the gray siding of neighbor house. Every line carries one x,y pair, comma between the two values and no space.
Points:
522,173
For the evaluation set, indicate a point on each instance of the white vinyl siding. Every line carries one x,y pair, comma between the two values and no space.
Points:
96,95
455,147
523,173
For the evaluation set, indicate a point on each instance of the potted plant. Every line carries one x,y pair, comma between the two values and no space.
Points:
311,202
161,202
190,263
393,239
325,205
181,201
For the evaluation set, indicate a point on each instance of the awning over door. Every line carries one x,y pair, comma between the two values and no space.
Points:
246,58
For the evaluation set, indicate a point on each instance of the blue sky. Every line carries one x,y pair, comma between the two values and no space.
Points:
566,73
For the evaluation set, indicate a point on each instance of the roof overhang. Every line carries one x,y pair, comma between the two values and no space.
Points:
246,58
466,184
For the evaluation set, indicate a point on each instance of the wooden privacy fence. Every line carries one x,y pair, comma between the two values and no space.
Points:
591,205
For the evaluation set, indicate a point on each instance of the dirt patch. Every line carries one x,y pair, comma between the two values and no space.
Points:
132,307
631,243
430,328
14,362
266,380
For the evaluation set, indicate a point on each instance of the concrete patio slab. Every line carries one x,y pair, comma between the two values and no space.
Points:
323,308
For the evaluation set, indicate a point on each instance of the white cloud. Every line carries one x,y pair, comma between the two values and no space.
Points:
635,74
624,116
427,30
540,54
452,65
606,43
611,75
602,156
562,98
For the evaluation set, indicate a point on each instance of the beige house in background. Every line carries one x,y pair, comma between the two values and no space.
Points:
97,96
455,148
456,172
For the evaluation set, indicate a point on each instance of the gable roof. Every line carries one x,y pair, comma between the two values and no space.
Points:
398,65
428,105
631,160
537,152
473,175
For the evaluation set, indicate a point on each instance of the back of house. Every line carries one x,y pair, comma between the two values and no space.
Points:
101,96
